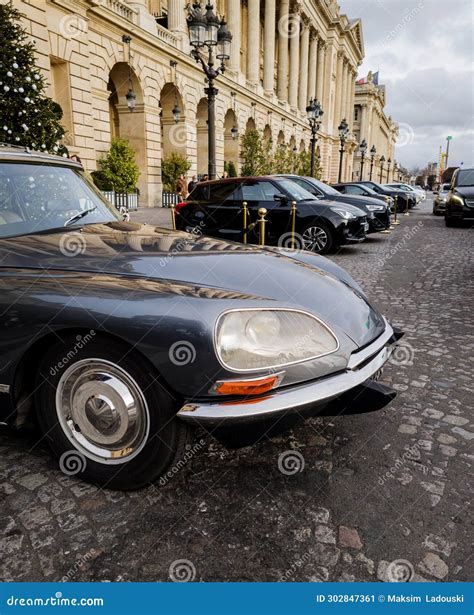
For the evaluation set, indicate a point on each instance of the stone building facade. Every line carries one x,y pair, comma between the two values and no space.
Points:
371,123
283,53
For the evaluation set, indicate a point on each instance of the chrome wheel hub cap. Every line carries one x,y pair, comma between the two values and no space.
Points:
315,238
102,411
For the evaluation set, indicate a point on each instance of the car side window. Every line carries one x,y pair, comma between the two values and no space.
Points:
258,191
223,192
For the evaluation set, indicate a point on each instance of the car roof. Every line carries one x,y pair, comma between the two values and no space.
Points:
227,180
13,153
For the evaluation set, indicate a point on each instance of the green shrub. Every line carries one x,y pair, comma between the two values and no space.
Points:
118,170
172,167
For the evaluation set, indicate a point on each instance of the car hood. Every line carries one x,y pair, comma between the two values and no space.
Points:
356,200
466,191
329,201
138,250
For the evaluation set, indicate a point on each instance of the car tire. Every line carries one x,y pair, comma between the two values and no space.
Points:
107,415
318,238
450,222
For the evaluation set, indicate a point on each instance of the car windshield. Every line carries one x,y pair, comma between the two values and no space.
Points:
323,187
294,191
465,177
42,197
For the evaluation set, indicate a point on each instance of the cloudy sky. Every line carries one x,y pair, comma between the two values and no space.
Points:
424,50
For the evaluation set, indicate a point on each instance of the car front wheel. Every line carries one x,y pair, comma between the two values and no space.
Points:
318,238
106,414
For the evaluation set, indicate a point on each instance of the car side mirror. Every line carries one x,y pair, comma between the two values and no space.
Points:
280,197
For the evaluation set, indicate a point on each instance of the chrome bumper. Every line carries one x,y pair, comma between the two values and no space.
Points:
362,366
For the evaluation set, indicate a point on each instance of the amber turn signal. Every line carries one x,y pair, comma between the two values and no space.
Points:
256,386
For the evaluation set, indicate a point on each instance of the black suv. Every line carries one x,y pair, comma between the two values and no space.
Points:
460,199
378,214
215,208
405,200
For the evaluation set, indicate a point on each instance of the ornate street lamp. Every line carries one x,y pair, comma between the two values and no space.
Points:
382,162
389,162
373,151
209,37
176,111
234,132
130,95
363,150
343,129
315,114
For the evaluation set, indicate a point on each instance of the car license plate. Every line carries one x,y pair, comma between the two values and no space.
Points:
366,226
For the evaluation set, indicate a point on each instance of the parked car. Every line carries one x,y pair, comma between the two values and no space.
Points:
439,200
460,199
404,199
358,189
417,191
216,209
378,214
118,337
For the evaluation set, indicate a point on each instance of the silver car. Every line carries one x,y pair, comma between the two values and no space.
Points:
440,198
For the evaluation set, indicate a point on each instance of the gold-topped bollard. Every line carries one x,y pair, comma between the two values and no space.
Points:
395,219
293,225
262,212
245,212
173,215
406,213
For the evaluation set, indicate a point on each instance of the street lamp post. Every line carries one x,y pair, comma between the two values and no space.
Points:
315,114
373,151
389,162
382,162
363,151
207,33
343,129
130,96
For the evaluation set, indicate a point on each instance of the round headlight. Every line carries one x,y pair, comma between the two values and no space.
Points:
263,327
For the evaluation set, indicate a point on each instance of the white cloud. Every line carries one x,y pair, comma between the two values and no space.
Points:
424,52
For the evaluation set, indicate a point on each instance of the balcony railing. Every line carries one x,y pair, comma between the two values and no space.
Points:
120,8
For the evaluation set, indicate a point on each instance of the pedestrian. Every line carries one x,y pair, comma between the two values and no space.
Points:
76,158
205,178
192,184
182,187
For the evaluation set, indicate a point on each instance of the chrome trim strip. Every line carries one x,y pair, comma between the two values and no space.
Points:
360,356
291,399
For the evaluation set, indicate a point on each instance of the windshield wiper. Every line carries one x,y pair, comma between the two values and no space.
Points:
80,215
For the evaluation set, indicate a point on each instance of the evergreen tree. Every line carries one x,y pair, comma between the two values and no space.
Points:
27,116
253,152
118,171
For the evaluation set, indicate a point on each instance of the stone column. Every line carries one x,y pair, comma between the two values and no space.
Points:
176,16
321,72
303,72
363,124
313,61
343,86
253,42
338,100
269,47
145,19
234,25
294,60
349,104
282,69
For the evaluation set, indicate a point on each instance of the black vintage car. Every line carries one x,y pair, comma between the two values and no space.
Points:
118,337
460,199
216,209
378,214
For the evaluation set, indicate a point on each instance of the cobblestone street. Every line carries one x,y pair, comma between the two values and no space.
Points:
379,488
